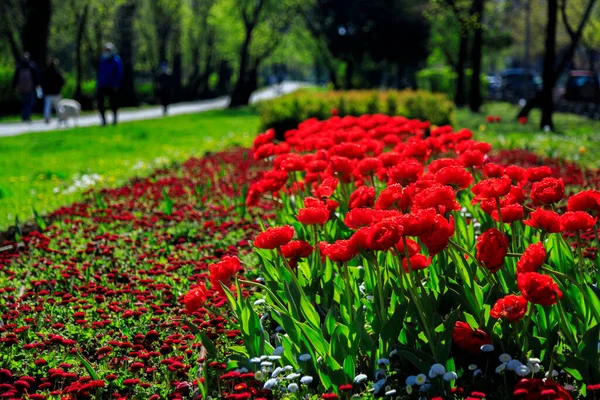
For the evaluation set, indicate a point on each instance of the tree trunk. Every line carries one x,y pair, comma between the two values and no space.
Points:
80,21
475,92
460,95
177,72
240,95
548,74
125,33
349,73
591,57
34,36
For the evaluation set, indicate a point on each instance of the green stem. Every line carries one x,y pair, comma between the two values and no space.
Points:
349,296
567,332
498,208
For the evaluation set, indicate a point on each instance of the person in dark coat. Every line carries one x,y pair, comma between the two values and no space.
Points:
108,81
26,81
164,86
52,83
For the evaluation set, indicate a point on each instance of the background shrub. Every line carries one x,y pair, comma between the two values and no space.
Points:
287,112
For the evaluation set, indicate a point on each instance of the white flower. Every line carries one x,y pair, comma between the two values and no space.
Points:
242,370
383,361
477,372
377,386
292,388
411,380
279,329
276,372
450,376
569,387
500,368
523,370
266,363
513,365
390,392
554,373
393,352
534,367
278,351
425,387
504,358
255,360
274,358
259,302
421,379
306,380
487,348
287,368
270,384
292,376
259,375
534,360
380,373
304,357
360,378
409,389
436,369
263,358
472,367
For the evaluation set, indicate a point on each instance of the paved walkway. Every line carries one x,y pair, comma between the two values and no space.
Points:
20,128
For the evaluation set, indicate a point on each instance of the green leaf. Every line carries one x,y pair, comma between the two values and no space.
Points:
87,366
309,313
349,367
167,203
39,220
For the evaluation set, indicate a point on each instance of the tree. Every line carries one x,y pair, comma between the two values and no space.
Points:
125,44
553,70
265,20
475,99
80,20
34,36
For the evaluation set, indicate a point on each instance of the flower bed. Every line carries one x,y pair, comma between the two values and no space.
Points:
173,287
406,265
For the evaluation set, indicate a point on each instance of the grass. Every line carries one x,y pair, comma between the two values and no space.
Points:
577,138
49,169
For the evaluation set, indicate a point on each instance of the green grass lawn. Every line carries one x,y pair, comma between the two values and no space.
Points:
577,138
49,169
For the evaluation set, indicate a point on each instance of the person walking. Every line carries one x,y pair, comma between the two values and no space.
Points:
52,83
164,86
26,81
110,74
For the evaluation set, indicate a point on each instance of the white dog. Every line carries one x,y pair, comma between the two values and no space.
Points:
66,109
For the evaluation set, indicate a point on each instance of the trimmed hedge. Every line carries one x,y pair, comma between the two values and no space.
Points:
288,111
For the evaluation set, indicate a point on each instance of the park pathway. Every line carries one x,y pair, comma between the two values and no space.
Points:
20,128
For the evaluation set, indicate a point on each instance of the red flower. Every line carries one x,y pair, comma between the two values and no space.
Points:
224,272
413,247
469,339
313,215
441,198
523,120
510,213
532,259
329,396
341,164
340,251
359,217
384,235
548,191
588,201
492,247
391,197
195,298
418,261
297,249
368,166
511,308
492,170
540,389
538,288
455,176
576,221
548,221
326,188
363,196
536,174
274,237
407,172
471,158
492,188
437,237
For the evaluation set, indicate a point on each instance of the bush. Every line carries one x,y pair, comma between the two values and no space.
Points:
287,112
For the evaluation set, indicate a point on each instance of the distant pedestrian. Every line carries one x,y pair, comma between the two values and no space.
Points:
52,83
27,81
110,75
164,86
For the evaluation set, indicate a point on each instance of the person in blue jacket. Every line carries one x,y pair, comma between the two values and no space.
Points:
110,75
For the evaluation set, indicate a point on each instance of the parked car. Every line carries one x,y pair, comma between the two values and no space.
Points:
581,86
519,83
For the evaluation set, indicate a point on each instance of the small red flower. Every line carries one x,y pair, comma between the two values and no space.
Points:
224,273
492,188
532,259
546,220
340,251
363,196
274,237
548,191
384,235
492,247
297,249
469,339
588,201
195,298
538,288
418,261
313,215
511,308
455,176
576,221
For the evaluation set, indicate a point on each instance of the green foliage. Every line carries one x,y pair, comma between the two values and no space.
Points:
443,80
288,111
